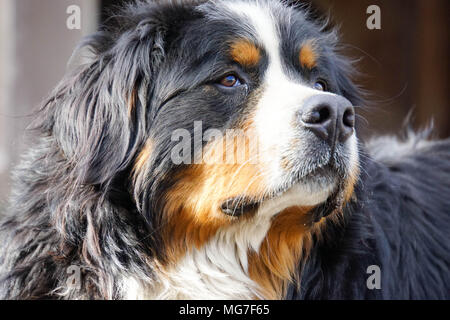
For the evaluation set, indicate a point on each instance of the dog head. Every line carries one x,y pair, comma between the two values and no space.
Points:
215,116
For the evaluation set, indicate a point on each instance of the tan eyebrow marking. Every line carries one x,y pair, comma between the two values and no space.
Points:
245,53
308,55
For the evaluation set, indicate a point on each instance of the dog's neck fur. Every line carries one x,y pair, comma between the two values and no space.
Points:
220,269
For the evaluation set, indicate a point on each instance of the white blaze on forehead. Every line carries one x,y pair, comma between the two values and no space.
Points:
281,97
262,21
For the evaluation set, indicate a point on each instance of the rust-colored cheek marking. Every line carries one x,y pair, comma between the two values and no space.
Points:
192,206
245,53
308,56
352,180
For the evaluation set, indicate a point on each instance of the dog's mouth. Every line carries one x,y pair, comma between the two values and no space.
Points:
323,177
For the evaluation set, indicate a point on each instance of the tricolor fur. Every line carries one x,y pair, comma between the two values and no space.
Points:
100,191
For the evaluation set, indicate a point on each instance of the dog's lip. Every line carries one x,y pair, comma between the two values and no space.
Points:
242,205
238,206
320,171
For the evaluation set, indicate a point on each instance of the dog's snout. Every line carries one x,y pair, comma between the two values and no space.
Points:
331,118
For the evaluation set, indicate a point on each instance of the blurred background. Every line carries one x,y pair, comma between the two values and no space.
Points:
404,65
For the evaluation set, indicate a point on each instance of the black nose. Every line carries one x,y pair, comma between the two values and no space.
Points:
331,118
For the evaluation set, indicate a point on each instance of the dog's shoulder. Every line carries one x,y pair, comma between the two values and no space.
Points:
407,198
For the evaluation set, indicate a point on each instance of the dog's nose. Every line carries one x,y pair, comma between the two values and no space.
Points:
331,118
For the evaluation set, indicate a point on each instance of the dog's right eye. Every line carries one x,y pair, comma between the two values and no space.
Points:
321,85
230,81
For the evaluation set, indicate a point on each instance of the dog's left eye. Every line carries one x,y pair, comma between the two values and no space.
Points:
230,81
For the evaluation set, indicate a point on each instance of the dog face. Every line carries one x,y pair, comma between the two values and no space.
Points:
221,114
266,73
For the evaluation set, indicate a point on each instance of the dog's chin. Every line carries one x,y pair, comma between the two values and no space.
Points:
311,190
319,186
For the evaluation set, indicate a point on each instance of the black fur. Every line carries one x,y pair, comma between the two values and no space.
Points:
76,202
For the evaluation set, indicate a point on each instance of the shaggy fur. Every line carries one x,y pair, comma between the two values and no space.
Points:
98,189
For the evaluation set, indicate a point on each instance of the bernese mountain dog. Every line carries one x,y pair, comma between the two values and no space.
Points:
208,150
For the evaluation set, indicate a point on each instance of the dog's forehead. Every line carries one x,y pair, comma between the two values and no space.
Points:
258,19
269,25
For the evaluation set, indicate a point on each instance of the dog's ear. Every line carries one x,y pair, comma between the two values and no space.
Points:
97,115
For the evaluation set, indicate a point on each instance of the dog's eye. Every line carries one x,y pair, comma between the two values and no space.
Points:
230,81
321,85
